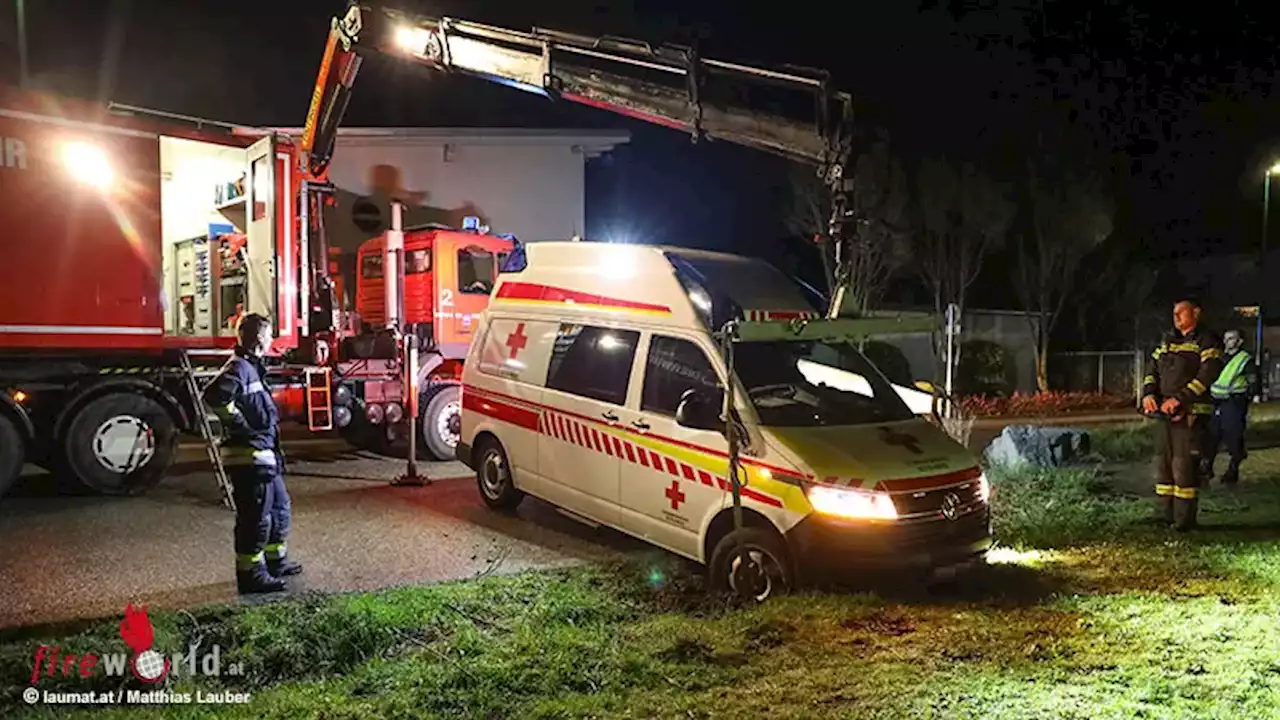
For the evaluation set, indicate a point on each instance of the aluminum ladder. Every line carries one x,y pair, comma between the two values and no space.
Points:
206,431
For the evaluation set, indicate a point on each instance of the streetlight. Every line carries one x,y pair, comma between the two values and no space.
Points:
1262,263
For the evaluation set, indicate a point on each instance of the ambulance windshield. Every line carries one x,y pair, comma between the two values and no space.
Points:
796,383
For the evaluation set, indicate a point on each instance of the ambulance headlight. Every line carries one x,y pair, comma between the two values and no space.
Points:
847,503
88,164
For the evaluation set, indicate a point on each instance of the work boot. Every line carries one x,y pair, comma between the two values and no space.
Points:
257,581
1186,515
283,567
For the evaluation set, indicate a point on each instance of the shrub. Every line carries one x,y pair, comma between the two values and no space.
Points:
985,368
1043,404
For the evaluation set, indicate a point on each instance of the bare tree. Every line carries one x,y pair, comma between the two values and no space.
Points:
1070,216
878,247
964,214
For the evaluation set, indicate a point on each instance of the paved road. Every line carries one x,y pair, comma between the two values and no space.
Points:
74,557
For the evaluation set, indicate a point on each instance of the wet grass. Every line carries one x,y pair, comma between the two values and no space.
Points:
1086,610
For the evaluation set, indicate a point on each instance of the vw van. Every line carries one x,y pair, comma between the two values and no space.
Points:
596,382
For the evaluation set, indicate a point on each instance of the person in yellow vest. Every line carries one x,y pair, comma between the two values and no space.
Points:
1177,388
1236,384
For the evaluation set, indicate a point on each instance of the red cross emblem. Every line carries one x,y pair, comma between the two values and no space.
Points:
517,340
674,495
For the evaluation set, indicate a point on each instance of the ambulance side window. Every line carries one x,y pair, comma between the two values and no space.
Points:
674,366
592,362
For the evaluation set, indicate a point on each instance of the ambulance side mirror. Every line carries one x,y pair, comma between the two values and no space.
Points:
699,411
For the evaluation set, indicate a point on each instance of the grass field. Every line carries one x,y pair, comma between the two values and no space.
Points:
1087,610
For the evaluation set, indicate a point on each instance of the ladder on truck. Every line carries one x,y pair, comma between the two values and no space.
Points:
206,431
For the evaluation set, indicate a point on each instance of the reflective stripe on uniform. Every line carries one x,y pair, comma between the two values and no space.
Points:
246,456
275,551
1210,353
1202,409
1196,387
1232,379
1164,489
254,387
249,562
1184,493
1149,380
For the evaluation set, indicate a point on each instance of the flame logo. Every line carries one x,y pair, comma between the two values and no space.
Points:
137,633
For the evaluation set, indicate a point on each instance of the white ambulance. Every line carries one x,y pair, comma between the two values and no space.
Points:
596,382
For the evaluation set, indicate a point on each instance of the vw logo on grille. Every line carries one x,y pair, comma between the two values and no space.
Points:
951,506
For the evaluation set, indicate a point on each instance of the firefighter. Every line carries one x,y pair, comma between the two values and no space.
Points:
242,401
1177,386
1231,392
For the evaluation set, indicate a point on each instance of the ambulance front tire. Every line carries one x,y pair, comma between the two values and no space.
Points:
493,476
11,453
120,444
766,547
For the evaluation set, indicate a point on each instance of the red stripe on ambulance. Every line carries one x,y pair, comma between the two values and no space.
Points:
547,293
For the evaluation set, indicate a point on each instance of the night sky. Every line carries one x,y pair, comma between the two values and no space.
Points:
1178,99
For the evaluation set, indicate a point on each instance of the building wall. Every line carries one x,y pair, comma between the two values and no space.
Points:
529,183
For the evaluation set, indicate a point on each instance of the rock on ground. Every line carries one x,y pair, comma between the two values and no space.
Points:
1038,446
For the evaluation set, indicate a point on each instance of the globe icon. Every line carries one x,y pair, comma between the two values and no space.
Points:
149,665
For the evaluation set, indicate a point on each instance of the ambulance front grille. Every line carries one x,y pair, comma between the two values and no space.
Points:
928,504
927,534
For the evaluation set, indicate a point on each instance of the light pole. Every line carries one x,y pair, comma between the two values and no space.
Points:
1262,267
23,77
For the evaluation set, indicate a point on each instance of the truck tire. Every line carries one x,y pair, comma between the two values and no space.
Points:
12,451
121,444
441,409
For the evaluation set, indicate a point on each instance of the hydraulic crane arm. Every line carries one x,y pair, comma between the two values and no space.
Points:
665,85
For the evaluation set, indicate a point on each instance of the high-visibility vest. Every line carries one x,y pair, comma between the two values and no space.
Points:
1232,380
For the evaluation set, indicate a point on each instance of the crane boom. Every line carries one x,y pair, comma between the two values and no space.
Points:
670,86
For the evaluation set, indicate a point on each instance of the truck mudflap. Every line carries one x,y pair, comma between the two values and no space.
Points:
826,547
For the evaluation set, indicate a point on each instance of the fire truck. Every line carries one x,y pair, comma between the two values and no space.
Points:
133,247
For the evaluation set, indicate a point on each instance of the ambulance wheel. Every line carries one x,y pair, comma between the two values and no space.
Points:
493,476
121,444
11,453
768,572
441,408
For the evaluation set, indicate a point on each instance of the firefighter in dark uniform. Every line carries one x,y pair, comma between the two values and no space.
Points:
242,401
1177,385
1231,393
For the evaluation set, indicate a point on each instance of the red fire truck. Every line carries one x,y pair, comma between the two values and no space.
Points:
133,246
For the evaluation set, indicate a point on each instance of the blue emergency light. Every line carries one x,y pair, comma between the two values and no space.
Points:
471,222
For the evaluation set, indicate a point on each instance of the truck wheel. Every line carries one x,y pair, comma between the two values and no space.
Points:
769,554
12,450
441,417
121,444
493,475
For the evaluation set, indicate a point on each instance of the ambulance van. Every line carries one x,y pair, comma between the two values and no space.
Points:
596,382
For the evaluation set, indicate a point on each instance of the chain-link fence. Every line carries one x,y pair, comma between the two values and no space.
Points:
1112,372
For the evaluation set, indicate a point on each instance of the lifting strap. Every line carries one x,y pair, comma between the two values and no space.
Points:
206,431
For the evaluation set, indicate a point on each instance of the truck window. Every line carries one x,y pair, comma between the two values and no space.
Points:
592,362
475,271
371,267
674,366
419,262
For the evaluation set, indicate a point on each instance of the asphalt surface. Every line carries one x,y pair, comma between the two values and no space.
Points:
72,557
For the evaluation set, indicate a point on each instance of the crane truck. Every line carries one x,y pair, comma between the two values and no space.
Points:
133,241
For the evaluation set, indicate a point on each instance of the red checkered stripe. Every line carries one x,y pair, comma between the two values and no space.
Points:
575,431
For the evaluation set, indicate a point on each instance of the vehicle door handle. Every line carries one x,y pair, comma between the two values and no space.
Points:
608,415
641,425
